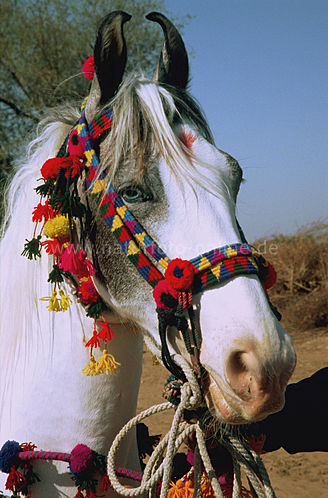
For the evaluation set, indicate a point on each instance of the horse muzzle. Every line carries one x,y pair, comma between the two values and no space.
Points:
247,396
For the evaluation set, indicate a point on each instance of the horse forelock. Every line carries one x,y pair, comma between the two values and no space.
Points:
148,118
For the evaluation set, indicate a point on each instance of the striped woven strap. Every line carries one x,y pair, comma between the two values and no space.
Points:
214,266
66,457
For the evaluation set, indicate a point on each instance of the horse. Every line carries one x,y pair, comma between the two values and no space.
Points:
160,157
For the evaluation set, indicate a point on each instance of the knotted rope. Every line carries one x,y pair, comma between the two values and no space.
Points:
159,466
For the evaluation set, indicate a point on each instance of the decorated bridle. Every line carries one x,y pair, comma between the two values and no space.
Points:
173,291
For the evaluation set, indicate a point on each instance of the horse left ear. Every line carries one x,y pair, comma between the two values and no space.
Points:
173,66
110,56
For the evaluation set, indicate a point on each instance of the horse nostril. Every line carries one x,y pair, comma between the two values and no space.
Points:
260,391
240,369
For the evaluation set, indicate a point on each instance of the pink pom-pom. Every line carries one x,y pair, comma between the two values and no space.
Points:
81,459
76,262
89,68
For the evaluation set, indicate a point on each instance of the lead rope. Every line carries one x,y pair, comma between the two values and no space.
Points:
159,466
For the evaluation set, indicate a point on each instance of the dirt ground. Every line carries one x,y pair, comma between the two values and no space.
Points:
304,475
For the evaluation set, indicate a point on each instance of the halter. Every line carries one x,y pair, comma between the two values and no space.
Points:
183,278
173,291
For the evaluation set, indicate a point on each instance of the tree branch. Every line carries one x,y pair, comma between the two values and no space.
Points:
16,109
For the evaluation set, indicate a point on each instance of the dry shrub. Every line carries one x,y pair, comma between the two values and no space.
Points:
301,261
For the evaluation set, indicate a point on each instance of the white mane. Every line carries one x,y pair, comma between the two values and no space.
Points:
26,324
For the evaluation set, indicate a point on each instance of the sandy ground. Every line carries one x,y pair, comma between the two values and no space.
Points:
304,475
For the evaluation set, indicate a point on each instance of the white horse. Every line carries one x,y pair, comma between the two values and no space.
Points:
185,198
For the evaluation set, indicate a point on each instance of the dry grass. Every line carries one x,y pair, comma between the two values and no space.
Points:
301,261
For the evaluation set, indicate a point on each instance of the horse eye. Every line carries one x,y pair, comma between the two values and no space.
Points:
134,194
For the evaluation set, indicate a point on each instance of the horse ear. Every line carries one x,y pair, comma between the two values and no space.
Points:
173,66
109,58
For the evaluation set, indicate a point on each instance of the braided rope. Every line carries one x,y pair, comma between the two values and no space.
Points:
159,466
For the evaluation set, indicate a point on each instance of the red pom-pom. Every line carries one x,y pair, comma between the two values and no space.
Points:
42,212
270,277
165,296
74,146
81,459
89,68
51,167
87,292
76,262
180,274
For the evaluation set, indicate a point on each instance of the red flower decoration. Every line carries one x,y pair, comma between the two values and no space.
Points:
180,274
76,262
74,146
165,296
53,246
88,68
87,292
42,212
51,167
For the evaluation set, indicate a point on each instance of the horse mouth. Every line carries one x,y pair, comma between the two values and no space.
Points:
218,406
231,410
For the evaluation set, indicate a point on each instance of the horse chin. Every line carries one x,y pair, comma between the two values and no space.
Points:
232,412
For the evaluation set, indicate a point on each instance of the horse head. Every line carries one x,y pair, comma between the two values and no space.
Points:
160,158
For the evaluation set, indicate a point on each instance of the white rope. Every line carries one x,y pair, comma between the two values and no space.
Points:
159,465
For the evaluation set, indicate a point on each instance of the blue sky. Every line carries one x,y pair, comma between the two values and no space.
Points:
260,73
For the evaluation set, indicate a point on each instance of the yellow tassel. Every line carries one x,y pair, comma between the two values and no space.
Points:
65,300
91,366
106,363
54,304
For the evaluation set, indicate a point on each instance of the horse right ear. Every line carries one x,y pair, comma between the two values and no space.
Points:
110,60
173,66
